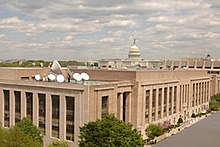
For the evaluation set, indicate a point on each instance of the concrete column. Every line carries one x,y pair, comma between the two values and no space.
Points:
209,90
99,105
35,107
48,115
23,105
78,116
12,107
203,66
143,120
162,103
62,120
120,106
189,96
187,65
150,106
195,65
177,99
212,65
1,107
156,108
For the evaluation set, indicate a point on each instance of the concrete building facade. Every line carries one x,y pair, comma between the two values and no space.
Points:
139,97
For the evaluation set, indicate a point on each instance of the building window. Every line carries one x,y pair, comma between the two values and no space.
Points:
153,105
70,110
42,112
165,102
197,91
6,107
159,103
29,98
55,115
202,92
170,99
205,92
193,96
147,105
174,99
180,103
104,105
17,95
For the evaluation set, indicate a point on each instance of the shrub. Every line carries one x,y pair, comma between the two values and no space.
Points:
180,120
153,131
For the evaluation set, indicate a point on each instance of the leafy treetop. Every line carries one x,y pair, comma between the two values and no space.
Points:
109,131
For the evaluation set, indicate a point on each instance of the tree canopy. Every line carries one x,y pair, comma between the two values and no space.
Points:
58,143
109,132
214,103
14,137
27,127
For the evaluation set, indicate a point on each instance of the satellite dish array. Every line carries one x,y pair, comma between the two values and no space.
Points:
81,77
56,75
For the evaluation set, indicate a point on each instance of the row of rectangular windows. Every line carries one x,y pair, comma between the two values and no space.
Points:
70,106
172,95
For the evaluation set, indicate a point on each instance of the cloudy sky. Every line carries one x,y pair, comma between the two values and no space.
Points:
96,29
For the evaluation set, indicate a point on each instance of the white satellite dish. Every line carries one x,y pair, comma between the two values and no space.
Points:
85,76
37,77
60,78
77,76
51,77
56,68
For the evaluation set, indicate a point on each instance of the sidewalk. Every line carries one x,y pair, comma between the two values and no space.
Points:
179,129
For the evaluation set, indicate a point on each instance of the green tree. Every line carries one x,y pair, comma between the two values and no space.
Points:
213,105
58,143
216,97
14,137
2,135
109,131
153,131
29,129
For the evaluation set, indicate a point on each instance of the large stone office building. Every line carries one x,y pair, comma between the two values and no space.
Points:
139,97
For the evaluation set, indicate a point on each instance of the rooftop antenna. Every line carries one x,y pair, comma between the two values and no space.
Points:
60,78
56,68
77,77
51,77
85,77
37,77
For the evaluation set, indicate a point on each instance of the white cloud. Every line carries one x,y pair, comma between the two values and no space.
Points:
68,38
107,39
102,28
3,37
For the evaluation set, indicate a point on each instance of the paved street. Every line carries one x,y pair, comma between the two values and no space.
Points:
205,133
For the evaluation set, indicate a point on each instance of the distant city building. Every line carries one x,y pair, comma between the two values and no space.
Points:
209,64
134,61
